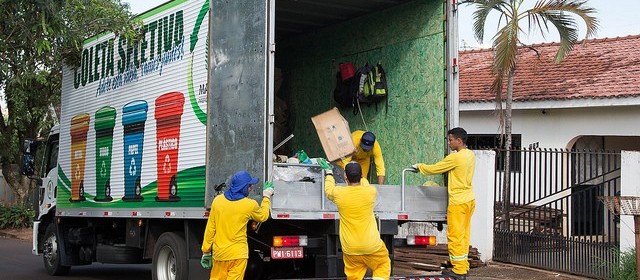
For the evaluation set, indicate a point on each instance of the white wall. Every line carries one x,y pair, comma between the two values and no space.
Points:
556,128
629,186
482,220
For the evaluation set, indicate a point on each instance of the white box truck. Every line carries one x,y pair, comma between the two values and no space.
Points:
151,132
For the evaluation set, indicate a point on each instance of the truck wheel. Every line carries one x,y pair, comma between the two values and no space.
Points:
51,254
170,258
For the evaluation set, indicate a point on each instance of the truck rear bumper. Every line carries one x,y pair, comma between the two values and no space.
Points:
34,248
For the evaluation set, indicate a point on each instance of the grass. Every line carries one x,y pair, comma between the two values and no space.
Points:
626,267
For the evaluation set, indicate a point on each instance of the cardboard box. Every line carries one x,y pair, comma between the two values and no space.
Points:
335,136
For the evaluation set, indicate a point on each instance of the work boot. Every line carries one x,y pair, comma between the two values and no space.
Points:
454,276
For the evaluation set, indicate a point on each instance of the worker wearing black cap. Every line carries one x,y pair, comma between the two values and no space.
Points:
366,147
359,236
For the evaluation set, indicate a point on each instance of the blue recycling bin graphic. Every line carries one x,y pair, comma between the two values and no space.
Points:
134,114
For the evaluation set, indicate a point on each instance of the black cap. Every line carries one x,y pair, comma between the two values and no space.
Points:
353,170
367,140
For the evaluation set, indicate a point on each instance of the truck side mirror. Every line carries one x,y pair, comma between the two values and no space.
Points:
28,157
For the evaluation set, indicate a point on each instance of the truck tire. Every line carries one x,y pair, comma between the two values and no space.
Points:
51,254
170,258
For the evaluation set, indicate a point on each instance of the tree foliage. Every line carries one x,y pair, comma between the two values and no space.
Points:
513,18
36,38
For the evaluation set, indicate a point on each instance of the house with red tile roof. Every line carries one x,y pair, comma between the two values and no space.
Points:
591,100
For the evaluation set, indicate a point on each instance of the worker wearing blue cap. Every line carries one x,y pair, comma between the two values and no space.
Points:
225,236
366,147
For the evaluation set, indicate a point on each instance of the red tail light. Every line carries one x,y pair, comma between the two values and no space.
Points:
290,241
421,240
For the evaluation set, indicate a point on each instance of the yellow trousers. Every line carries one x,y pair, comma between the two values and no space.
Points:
459,235
232,269
355,266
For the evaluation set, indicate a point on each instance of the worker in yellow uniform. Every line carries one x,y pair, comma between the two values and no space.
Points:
366,147
226,233
359,236
460,165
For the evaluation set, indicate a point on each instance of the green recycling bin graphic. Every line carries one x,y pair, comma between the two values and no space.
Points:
104,122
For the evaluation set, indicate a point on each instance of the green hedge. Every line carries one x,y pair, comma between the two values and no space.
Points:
16,216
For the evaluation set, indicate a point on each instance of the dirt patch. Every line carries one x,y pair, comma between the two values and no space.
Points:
22,234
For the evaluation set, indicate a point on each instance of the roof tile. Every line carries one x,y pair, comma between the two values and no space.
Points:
596,68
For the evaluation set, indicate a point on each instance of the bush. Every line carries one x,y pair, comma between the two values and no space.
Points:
16,216
626,268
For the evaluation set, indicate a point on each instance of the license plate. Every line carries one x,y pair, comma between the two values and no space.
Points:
287,253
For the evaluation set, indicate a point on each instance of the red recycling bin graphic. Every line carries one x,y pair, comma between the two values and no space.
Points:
168,114
78,131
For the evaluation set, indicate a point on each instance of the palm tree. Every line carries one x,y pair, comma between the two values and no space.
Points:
558,13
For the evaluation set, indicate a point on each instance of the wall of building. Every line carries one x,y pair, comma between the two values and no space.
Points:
559,128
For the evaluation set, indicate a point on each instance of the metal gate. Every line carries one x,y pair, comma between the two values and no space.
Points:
550,217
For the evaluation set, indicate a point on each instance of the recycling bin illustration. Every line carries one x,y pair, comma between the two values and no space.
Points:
78,131
105,120
134,114
168,113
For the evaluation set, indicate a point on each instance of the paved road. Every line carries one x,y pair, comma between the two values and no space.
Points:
17,263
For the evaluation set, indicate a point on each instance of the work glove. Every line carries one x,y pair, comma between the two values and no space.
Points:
415,167
206,261
324,164
267,189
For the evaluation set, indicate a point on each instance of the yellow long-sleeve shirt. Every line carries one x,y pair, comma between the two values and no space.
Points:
460,166
226,231
359,233
364,157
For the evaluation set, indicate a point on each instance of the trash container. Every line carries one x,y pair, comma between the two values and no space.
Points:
168,114
78,131
105,120
134,114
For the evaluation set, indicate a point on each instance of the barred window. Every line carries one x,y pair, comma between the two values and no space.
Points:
492,141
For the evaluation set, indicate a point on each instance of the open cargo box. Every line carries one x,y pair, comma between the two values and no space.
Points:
308,42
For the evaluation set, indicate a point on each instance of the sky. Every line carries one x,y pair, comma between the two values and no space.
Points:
617,18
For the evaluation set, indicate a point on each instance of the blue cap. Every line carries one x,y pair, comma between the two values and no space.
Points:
367,140
242,179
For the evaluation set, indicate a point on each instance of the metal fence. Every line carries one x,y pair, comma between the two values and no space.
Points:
6,193
550,216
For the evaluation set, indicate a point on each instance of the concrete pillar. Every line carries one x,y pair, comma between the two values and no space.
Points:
483,187
629,186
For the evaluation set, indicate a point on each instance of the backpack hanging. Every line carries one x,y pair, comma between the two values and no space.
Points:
343,94
372,87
